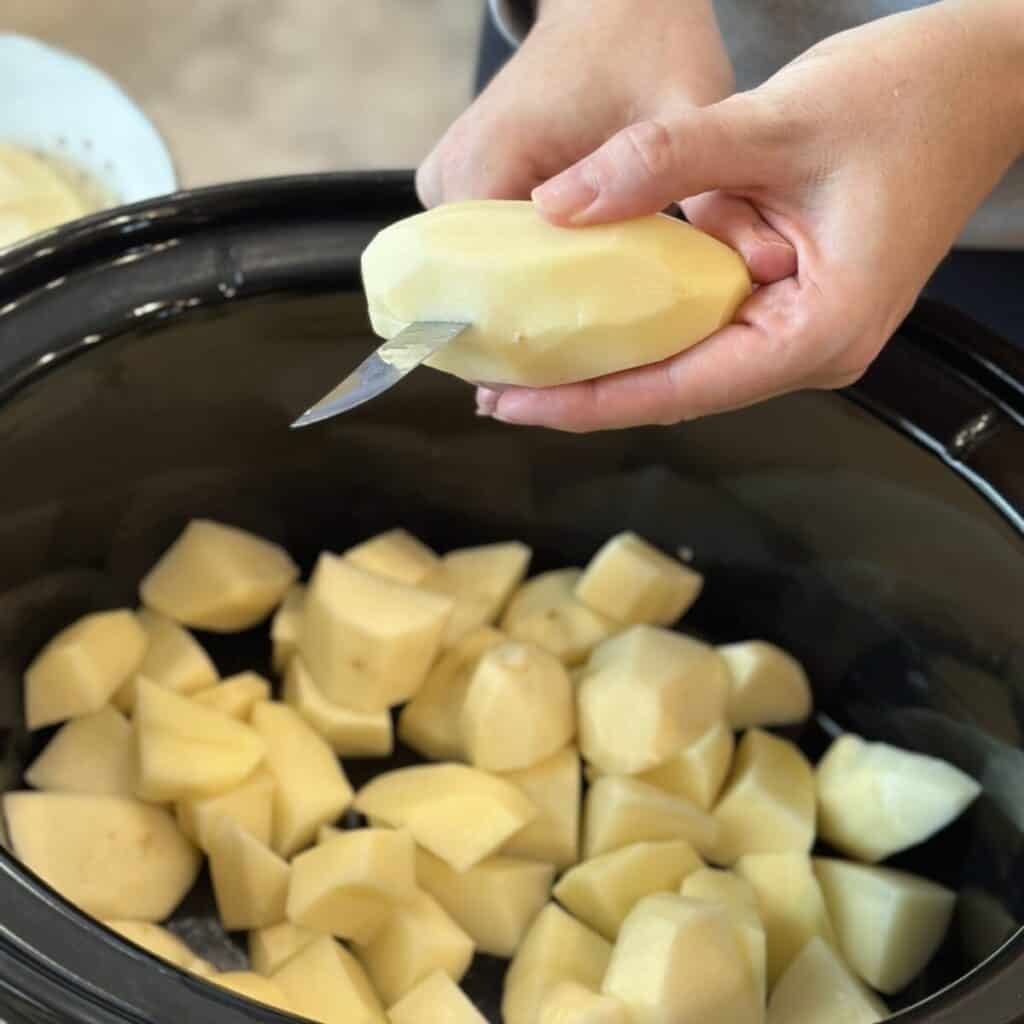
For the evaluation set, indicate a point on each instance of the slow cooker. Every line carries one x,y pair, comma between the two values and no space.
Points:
151,359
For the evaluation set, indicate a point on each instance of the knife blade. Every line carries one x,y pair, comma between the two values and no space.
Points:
396,358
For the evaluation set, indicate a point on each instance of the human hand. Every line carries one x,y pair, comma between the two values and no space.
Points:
868,154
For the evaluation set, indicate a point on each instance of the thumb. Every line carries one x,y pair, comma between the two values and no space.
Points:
652,164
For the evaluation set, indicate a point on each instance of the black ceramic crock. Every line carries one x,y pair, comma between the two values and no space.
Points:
152,358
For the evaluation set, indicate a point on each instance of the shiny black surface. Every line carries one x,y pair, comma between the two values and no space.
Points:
877,534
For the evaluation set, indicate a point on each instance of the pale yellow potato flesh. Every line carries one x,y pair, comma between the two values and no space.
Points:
550,305
698,772
91,754
554,787
310,786
249,805
368,642
519,709
173,658
480,581
33,196
557,948
601,892
458,813
253,986
818,988
875,800
790,904
572,1003
325,983
112,857
769,802
218,578
236,695
285,627
349,733
494,901
250,881
768,686
187,751
349,885
888,923
634,583
82,667
273,946
395,554
417,938
431,723
435,1000
544,611
681,961
645,695
156,939
618,810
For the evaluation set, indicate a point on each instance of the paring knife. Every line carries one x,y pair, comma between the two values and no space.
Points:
386,367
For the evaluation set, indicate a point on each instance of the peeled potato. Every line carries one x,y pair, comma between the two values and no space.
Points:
273,946
33,196
253,986
91,754
285,627
249,805
397,555
768,686
250,881
634,583
519,709
113,858
572,1003
557,948
435,1000
367,641
876,800
699,770
550,305
82,667
219,578
236,695
156,939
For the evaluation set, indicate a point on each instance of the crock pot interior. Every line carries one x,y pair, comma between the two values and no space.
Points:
817,526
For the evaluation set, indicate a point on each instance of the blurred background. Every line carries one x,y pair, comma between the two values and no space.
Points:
247,88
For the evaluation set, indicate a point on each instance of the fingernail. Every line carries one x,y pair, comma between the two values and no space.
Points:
486,401
767,235
566,196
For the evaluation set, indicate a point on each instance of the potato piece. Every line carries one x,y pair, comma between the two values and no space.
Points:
618,811
634,583
173,658
156,939
556,949
875,800
350,733
417,939
111,857
646,694
273,946
458,813
602,891
819,989
551,306
431,723
368,642
572,1003
790,904
544,611
324,982
888,923
680,961
768,686
554,788
348,885
187,751
250,881
435,1000
285,627
91,754
698,772
494,902
519,710
218,578
249,806
480,581
236,696
253,986
310,786
396,555
82,667
768,805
